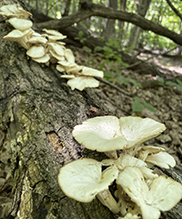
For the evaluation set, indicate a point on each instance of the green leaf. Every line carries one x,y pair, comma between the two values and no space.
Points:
179,82
170,83
80,34
135,83
98,48
120,80
149,107
179,87
160,80
109,74
137,106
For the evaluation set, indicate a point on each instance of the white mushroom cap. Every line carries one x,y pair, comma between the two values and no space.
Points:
20,36
82,82
20,24
14,10
147,150
36,52
86,71
43,59
161,159
69,55
57,48
162,194
100,133
56,56
67,76
54,35
137,130
60,68
103,135
83,179
74,70
37,40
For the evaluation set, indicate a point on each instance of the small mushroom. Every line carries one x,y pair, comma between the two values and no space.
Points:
54,35
36,52
56,56
56,48
67,76
86,71
81,83
14,10
37,40
60,68
69,56
74,70
83,179
44,59
20,24
144,151
20,37
162,194
161,159
156,156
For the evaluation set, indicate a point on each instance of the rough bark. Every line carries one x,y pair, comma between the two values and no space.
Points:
89,9
37,114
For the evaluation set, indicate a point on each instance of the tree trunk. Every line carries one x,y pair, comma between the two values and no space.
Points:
37,114
109,29
142,8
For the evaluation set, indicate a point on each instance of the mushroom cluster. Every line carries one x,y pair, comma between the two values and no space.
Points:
140,191
44,48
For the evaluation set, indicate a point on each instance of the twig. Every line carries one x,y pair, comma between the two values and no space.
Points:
115,87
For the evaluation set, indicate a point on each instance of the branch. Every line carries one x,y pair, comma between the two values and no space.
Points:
90,9
174,9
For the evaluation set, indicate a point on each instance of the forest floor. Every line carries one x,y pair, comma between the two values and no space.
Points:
167,100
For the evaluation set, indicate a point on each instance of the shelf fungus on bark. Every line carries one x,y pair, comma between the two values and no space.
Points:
44,48
139,191
83,180
20,37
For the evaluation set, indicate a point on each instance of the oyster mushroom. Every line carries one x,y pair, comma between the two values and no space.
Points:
108,133
20,37
54,35
137,130
161,195
36,52
14,10
81,83
156,156
83,179
20,24
101,134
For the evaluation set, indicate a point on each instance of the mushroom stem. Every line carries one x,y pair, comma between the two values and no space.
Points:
106,198
111,154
